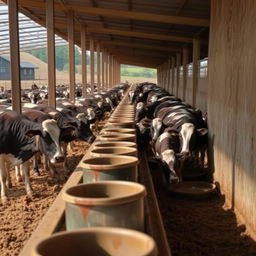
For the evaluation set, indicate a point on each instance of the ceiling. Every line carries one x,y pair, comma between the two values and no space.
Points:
135,31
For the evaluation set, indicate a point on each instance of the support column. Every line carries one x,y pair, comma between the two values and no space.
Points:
51,53
110,71
71,56
196,57
92,64
103,69
178,63
107,70
185,72
98,68
173,74
169,74
14,54
84,60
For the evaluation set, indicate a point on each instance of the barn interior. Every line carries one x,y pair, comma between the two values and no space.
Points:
204,53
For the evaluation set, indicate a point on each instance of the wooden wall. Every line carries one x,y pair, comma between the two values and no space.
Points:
232,104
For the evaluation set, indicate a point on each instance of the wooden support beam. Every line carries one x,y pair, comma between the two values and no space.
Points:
178,63
173,74
168,74
103,69
171,19
125,60
196,58
107,70
136,52
14,54
140,34
51,53
71,52
110,71
185,71
84,60
92,64
98,68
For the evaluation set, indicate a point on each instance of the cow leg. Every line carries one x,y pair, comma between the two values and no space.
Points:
3,180
64,150
8,176
35,164
156,126
45,163
25,172
168,156
18,173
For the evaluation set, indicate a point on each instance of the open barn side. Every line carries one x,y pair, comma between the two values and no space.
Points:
231,102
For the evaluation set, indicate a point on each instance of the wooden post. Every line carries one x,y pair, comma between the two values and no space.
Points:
92,64
185,72
173,74
71,56
84,60
110,71
169,74
51,53
98,68
196,57
14,54
107,71
178,63
103,68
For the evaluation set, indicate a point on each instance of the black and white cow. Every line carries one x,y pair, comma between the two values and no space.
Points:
20,139
167,147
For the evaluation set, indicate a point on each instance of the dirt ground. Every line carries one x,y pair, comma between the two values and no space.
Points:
21,215
194,227
203,227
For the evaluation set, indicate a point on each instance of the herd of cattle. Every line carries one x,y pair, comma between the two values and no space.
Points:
47,130
175,130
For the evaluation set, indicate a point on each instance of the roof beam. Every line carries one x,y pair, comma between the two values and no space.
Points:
136,52
124,14
134,34
142,46
127,62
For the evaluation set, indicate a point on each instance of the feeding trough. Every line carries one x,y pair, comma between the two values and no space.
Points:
193,189
101,152
109,168
97,241
105,203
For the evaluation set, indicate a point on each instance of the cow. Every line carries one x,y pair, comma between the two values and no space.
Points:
167,147
21,139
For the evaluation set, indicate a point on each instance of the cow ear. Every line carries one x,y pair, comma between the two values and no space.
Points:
32,133
202,131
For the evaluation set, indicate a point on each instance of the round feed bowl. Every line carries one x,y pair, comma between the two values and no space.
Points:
101,152
118,130
195,190
105,144
100,241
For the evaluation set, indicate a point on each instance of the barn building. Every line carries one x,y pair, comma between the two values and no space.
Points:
27,69
173,37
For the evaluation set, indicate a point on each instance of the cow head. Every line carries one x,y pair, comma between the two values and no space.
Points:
140,111
48,142
84,131
189,137
168,156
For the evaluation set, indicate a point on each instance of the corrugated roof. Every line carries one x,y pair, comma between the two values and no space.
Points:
23,64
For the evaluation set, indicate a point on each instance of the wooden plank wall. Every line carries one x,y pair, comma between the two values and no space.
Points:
232,104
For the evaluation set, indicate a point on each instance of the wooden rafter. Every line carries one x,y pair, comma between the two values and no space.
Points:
124,14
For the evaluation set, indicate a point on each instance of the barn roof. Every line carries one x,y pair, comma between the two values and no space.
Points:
132,30
23,64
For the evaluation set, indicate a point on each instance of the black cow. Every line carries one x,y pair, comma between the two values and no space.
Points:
20,139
